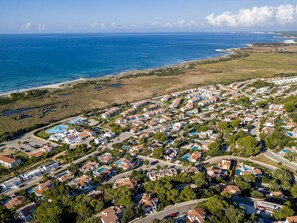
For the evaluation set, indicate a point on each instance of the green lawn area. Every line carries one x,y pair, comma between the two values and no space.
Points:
43,134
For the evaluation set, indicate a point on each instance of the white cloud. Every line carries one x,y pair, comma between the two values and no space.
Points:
256,16
167,25
96,25
285,13
41,27
27,26
155,23
181,23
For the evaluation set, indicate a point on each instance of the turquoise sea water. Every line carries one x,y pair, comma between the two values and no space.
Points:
28,61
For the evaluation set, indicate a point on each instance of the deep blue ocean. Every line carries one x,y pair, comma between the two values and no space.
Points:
28,61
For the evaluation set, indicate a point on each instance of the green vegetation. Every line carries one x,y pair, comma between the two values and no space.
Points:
260,84
247,146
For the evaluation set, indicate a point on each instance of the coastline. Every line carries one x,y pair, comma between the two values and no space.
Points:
124,74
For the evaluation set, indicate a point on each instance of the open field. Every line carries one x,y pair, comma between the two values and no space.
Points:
64,102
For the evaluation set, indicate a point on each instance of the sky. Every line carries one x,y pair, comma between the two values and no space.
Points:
72,16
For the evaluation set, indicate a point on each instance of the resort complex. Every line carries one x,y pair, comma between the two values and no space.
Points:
205,154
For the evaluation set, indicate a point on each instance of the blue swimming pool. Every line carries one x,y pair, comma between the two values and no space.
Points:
193,133
126,147
290,134
119,162
286,151
101,169
186,157
31,190
195,148
238,172
57,129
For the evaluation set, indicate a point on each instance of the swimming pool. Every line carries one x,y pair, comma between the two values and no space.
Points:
126,147
286,151
57,129
195,148
186,157
101,169
31,190
119,162
238,172
193,133
290,134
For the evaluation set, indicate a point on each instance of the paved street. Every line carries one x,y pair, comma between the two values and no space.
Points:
179,207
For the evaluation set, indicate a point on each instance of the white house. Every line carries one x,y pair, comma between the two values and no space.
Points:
13,182
49,166
31,174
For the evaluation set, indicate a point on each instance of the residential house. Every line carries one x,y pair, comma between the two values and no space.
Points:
136,149
41,188
125,182
196,216
11,183
195,156
232,189
14,202
106,158
65,176
25,213
111,215
148,202
225,164
49,166
81,182
89,166
292,219
266,208
9,161
31,174
155,175
176,103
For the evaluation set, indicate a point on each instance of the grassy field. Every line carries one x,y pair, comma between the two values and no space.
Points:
65,102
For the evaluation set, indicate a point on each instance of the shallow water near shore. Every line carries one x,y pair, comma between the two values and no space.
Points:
28,61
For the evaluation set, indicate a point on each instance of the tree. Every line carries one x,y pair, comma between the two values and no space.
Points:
283,178
130,213
294,191
247,146
214,149
290,106
146,162
5,215
235,123
234,215
48,213
283,213
187,194
160,136
158,153
216,204
199,179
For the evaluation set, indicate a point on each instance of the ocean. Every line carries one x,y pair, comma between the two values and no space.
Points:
33,60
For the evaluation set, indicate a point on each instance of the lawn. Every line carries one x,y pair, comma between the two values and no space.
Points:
43,134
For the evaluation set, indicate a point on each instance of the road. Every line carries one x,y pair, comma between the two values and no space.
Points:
179,207
270,154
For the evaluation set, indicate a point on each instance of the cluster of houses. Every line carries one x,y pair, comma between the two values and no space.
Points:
168,114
